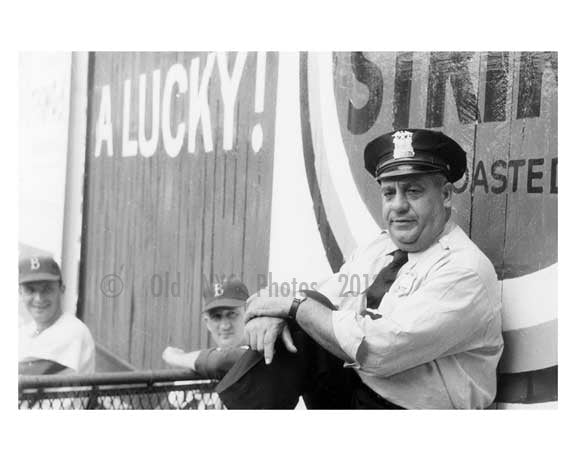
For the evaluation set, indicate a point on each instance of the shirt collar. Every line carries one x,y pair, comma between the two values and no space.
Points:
443,241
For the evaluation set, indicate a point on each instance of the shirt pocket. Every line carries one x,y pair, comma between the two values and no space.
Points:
403,285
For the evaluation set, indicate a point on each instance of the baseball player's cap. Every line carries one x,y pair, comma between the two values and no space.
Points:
414,151
38,269
229,293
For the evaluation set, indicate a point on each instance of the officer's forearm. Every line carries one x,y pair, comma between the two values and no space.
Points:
316,320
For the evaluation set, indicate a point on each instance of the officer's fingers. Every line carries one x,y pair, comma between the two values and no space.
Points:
260,340
269,341
287,339
254,341
247,337
250,337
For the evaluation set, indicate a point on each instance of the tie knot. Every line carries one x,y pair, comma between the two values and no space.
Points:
399,257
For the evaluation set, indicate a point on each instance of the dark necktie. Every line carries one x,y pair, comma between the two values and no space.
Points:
385,279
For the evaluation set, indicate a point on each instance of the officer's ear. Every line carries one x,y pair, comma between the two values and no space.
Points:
62,288
447,193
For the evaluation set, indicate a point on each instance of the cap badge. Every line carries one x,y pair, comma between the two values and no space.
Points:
34,264
402,144
218,289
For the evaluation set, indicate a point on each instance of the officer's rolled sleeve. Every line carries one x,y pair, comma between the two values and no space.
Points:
348,331
443,317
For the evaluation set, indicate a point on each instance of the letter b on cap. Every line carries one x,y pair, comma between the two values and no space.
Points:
218,289
34,264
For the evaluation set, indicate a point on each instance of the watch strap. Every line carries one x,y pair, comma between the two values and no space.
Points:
294,307
319,297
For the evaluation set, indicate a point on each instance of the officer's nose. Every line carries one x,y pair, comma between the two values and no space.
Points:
399,203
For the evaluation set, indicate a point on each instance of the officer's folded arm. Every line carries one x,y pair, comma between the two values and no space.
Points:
316,320
265,319
442,318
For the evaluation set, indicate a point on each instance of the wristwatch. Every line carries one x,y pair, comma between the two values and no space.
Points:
295,305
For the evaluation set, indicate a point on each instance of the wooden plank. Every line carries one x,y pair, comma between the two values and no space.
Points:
177,218
489,177
452,105
257,232
531,235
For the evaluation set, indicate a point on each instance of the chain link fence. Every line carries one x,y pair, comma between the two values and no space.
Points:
156,390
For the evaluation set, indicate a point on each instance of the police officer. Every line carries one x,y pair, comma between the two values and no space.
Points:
426,332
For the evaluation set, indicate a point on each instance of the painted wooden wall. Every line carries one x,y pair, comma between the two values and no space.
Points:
177,192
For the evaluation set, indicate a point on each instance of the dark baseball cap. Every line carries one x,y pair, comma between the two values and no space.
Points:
229,293
38,269
414,151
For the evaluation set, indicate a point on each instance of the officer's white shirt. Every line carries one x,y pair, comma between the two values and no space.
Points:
439,339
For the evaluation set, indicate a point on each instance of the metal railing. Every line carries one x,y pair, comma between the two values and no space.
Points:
165,390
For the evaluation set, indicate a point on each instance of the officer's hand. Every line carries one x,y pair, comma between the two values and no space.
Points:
261,334
261,304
